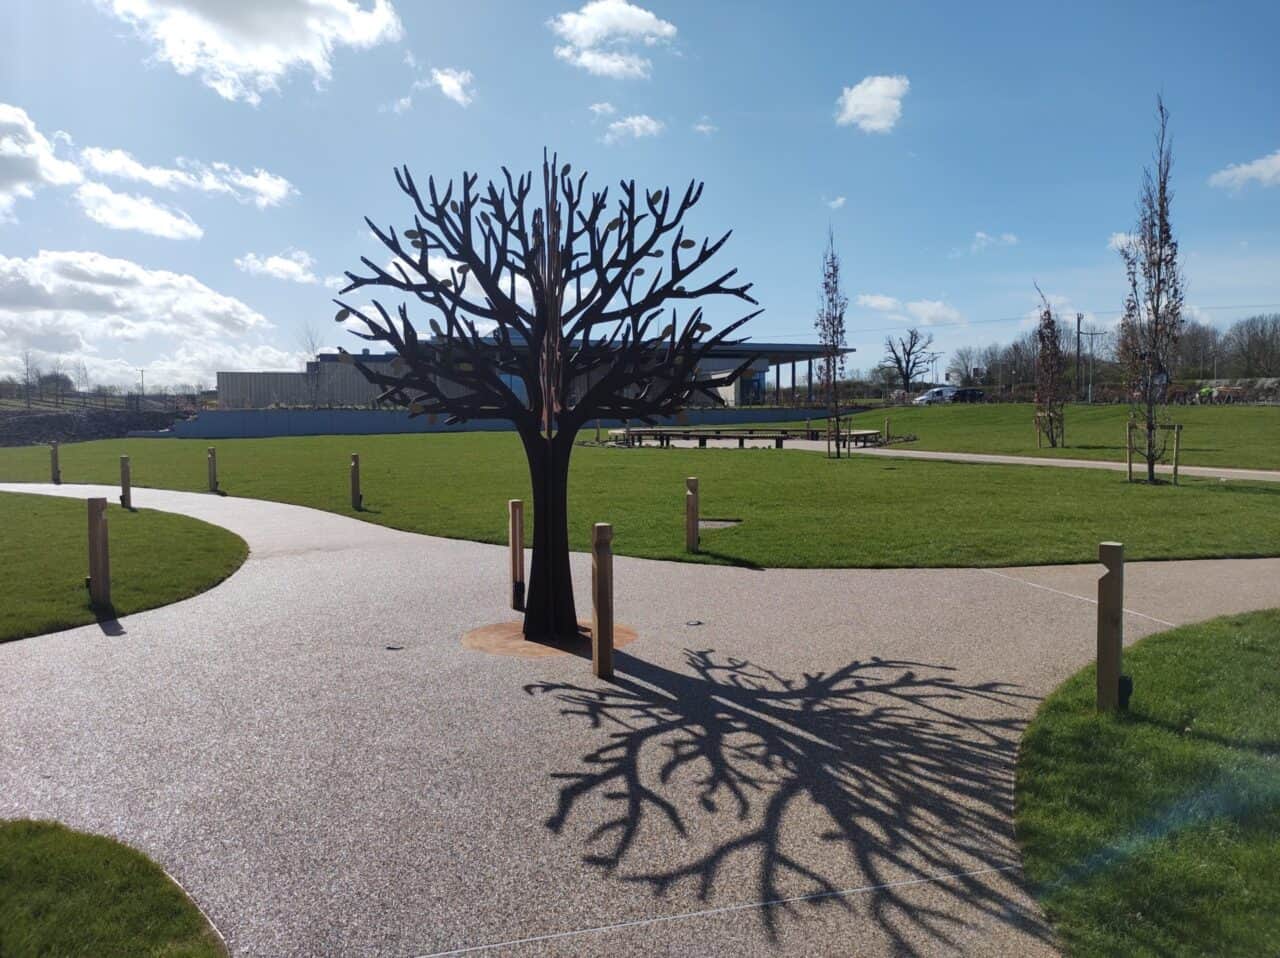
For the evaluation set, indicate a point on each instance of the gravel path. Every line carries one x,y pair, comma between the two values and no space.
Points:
822,765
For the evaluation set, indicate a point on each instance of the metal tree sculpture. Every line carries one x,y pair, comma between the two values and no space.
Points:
544,316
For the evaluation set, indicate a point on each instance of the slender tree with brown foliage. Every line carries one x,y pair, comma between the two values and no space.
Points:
1152,320
547,308
831,336
1051,363
908,356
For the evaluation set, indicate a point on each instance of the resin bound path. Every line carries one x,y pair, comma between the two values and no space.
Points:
789,762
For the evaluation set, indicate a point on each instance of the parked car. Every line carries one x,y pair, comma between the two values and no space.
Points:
935,395
968,394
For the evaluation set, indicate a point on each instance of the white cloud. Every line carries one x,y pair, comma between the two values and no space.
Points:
1118,241
602,109
932,312
599,37
107,311
261,188
125,211
927,312
28,160
983,241
1265,171
635,127
878,301
705,126
455,84
294,265
874,105
837,203
244,48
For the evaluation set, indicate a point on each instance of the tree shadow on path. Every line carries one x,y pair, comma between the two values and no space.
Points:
738,782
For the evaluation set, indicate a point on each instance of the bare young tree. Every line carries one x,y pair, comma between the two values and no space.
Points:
963,362
1050,365
30,373
1152,317
908,355
547,310
310,341
831,337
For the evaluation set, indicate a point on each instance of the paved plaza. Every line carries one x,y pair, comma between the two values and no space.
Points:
789,762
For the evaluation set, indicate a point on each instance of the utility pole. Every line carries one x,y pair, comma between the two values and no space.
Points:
1079,320
1092,334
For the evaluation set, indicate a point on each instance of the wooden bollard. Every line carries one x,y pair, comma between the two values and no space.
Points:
1177,448
213,469
55,471
99,580
515,540
1128,445
602,600
126,483
886,428
1110,625
691,514
357,498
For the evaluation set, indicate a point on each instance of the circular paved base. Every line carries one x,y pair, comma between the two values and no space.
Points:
506,638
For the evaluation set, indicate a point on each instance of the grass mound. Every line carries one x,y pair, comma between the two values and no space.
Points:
63,892
1158,832
156,558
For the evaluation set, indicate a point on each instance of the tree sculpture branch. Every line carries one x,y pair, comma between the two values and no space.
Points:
504,280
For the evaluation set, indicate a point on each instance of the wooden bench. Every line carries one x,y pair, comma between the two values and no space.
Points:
664,434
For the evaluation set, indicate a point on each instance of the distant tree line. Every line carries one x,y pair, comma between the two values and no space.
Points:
1247,349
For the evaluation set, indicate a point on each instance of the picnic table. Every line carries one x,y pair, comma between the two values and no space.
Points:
663,435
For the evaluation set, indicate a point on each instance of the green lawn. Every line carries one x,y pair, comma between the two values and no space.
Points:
1158,832
65,893
1247,437
156,558
799,509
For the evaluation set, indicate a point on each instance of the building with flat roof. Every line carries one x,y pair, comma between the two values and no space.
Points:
328,382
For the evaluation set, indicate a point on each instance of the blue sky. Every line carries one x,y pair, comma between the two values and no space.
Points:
179,177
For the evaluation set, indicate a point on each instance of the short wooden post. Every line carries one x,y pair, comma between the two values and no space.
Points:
1110,625
602,600
1128,444
357,497
99,580
515,542
691,514
213,469
1177,448
886,428
126,483
55,471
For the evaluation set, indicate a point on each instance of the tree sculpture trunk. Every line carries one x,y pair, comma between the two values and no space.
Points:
550,612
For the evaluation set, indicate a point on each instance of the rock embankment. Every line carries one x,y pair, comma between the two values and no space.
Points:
23,428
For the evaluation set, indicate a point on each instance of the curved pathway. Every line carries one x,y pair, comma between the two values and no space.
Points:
897,452
790,761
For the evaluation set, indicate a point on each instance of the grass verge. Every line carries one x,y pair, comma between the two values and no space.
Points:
1158,832
63,892
156,558
798,509
1244,437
